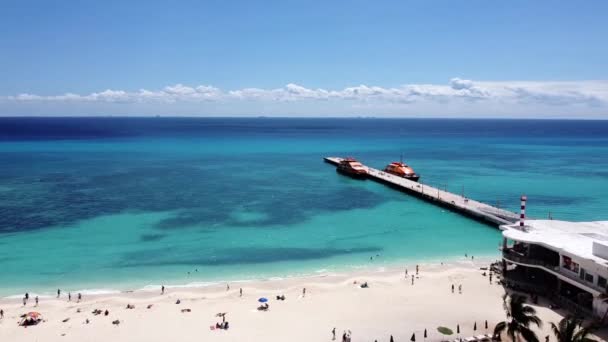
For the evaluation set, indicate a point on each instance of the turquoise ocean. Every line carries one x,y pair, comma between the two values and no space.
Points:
124,203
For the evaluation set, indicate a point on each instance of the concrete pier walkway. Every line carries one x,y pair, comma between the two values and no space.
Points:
463,205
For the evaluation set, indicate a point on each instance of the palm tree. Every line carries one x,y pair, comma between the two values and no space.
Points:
571,329
519,319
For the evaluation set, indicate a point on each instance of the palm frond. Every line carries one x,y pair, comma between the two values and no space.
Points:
557,330
499,328
528,335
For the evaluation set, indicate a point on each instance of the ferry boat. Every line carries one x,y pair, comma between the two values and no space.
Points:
351,167
402,170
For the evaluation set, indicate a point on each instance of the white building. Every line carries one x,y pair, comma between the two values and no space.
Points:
565,261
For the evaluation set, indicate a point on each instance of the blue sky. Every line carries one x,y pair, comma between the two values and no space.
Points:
291,50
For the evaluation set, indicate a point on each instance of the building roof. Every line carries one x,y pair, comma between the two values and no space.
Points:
574,238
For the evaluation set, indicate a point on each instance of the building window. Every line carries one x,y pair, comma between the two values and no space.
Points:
589,277
601,281
570,265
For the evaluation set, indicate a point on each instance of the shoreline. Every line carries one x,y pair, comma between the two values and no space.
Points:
335,271
392,305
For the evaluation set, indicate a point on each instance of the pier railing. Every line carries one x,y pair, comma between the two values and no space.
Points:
457,203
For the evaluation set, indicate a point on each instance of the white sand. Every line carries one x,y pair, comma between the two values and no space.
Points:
391,305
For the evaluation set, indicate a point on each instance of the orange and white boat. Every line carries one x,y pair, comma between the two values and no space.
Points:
402,170
351,167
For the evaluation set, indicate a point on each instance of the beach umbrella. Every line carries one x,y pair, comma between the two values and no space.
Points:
263,300
413,339
475,326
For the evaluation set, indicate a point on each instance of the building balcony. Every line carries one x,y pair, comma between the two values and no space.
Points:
518,284
519,258
516,257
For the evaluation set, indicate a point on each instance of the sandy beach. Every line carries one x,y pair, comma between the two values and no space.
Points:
390,306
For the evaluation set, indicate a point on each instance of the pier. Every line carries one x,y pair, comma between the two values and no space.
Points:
457,203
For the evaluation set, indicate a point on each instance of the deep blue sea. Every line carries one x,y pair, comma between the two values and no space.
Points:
121,203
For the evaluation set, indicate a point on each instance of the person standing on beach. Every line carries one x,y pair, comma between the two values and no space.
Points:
27,296
227,287
79,297
24,301
36,301
452,288
303,292
69,296
2,316
241,292
416,269
460,288
162,290
412,279
333,334
58,293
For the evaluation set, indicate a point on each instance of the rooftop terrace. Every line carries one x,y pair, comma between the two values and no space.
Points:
587,240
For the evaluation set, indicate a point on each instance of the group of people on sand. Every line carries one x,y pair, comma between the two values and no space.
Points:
345,335
99,312
26,297
224,325
459,288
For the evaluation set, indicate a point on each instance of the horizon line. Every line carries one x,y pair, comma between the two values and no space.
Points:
300,117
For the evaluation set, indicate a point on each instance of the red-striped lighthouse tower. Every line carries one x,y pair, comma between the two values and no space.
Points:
522,215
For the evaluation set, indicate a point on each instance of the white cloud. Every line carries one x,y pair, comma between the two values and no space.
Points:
458,95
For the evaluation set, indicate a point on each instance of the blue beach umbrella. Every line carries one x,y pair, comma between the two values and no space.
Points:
263,300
